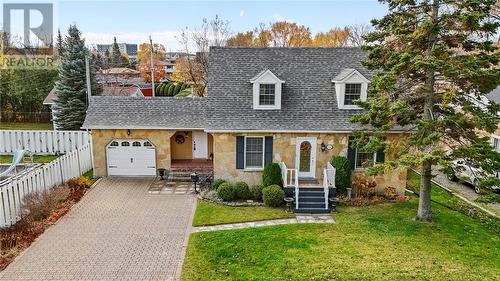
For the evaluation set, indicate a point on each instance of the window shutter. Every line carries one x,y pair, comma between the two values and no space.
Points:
351,153
268,150
240,152
380,156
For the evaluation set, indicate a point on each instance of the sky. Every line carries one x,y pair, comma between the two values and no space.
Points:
134,21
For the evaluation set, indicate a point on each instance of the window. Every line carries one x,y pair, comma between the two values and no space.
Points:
267,94
364,159
254,152
496,143
125,143
352,93
136,143
147,143
113,143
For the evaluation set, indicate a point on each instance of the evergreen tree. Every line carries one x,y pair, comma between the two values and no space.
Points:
117,59
432,59
59,44
71,88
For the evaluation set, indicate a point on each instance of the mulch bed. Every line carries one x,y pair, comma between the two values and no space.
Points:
15,239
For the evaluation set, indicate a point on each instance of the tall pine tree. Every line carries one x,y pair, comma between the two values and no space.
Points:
117,59
433,59
71,88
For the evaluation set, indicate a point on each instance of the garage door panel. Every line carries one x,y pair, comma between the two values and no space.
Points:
132,160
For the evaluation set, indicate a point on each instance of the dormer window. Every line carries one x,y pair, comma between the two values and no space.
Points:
266,90
352,93
267,95
350,86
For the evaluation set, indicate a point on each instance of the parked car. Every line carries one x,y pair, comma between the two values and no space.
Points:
469,172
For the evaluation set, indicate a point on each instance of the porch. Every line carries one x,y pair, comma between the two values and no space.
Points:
310,194
192,164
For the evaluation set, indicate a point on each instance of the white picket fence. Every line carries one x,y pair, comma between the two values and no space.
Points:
42,142
12,190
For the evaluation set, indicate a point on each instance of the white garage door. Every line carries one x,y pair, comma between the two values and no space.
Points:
131,158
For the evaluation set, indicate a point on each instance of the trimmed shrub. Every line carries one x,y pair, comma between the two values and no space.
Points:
184,93
177,89
242,190
273,195
226,192
257,192
272,175
343,173
165,89
217,183
171,90
79,183
184,86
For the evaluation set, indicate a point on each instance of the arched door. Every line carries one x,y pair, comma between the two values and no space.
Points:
306,157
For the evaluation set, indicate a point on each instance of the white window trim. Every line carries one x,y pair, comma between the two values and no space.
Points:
266,77
356,160
340,89
493,137
254,168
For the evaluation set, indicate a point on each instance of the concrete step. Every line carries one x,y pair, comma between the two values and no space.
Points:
312,199
313,205
311,193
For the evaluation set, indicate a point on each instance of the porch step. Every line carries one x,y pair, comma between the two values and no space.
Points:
311,211
311,194
312,199
308,181
313,205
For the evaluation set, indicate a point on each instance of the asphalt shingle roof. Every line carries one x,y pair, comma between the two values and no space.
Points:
308,97
494,95
308,101
140,112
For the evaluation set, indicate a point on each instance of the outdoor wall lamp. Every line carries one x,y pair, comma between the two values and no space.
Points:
323,146
128,132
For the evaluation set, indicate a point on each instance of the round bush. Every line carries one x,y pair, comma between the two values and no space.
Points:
257,192
242,190
217,183
177,89
343,173
166,89
271,174
226,192
273,195
171,90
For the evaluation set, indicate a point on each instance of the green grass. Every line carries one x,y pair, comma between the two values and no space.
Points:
7,159
381,242
25,126
445,199
208,213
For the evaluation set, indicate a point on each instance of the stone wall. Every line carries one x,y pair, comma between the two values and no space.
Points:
284,147
159,138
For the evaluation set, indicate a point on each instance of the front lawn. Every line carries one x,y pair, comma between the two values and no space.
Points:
208,213
381,242
7,159
25,126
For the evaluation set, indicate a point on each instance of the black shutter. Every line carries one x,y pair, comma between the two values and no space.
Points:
351,153
381,156
240,152
268,150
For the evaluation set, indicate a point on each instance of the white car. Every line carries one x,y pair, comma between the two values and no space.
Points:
469,172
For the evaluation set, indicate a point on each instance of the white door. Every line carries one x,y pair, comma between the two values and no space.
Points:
131,158
306,157
200,145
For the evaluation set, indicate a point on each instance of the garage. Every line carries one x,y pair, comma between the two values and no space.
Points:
131,157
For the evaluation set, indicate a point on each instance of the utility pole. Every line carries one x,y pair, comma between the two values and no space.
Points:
152,67
87,76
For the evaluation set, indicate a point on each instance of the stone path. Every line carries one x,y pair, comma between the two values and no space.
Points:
118,231
296,220
168,187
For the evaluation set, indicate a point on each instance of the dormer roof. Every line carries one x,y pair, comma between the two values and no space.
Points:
346,74
264,73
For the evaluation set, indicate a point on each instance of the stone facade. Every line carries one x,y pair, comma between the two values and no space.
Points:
159,138
284,149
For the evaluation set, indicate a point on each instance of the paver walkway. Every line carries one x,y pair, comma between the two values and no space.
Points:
298,219
117,232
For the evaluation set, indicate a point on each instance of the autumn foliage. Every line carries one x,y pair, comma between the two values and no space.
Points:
144,62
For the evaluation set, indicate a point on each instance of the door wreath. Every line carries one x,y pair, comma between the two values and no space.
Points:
179,139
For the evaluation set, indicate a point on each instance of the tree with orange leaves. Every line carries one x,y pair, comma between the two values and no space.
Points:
290,34
335,37
144,62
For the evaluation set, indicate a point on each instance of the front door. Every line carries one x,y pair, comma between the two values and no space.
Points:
200,145
306,157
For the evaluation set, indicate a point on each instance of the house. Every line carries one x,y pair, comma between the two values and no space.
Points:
125,48
286,105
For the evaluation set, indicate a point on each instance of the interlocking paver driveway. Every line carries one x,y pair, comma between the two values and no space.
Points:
117,232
